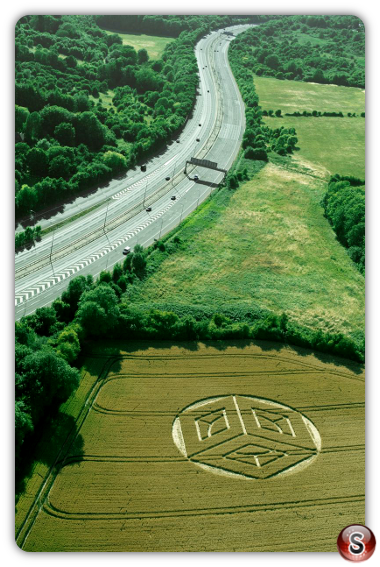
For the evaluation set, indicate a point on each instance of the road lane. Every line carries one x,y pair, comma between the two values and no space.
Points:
220,113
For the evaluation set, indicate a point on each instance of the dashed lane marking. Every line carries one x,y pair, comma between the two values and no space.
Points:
40,287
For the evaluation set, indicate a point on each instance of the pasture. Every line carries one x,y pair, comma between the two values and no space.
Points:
154,45
267,244
335,144
210,447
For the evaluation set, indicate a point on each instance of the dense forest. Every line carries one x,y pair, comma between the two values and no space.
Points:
66,139
320,49
172,26
344,204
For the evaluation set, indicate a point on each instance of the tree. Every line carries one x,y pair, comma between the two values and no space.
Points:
98,311
65,134
21,118
73,293
43,320
142,56
139,263
62,310
24,426
60,167
37,161
52,116
89,130
272,61
26,199
71,62
256,154
68,346
117,273
33,127
46,378
115,161
147,80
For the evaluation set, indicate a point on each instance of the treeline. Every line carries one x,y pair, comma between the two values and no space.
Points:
258,139
44,379
344,205
49,342
320,49
313,113
27,237
67,140
172,26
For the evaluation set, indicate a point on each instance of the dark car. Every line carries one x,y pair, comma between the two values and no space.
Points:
143,168
173,198
200,124
178,141
198,140
167,178
195,177
148,209
208,91
126,250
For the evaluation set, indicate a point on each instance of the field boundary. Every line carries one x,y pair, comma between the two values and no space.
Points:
48,481
63,458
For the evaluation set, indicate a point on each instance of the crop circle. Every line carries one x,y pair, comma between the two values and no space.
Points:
244,436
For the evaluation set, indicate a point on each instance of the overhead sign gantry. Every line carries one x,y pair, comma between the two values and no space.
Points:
205,163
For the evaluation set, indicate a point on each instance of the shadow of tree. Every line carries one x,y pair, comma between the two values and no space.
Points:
48,445
115,349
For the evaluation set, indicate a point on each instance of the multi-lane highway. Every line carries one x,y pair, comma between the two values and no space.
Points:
95,241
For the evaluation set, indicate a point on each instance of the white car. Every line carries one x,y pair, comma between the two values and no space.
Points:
126,250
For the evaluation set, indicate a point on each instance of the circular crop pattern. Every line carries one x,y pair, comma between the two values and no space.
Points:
244,436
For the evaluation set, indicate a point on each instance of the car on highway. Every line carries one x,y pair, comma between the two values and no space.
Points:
173,198
198,140
143,168
126,250
195,178
167,178
148,209
199,124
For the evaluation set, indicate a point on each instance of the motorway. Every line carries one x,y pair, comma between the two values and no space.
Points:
95,241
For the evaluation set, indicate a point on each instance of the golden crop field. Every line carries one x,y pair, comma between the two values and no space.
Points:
210,447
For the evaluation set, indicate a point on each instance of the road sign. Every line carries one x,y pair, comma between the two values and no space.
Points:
204,163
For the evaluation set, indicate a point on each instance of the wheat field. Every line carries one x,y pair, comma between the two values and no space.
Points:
207,447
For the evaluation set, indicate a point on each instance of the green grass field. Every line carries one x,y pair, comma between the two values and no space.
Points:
290,96
269,246
335,144
153,44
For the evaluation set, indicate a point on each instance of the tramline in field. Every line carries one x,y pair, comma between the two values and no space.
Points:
202,449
